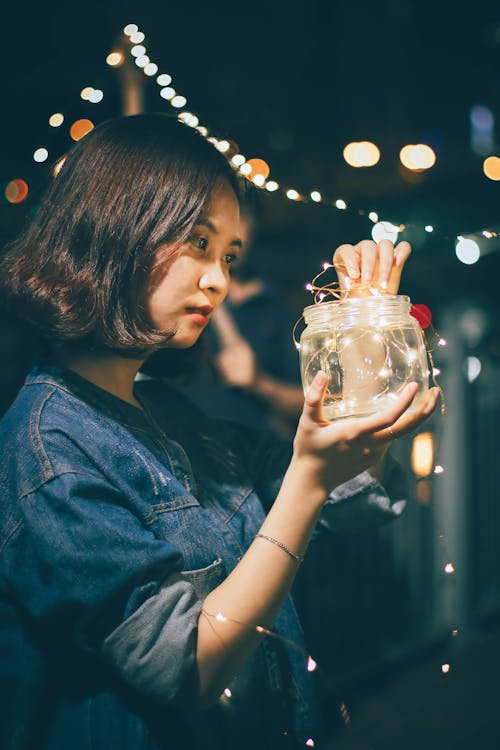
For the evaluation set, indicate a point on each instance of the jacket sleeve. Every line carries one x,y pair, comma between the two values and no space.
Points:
361,504
95,580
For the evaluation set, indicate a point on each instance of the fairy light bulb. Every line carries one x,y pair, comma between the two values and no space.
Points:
137,37
86,92
341,204
95,96
438,469
167,93
292,195
316,196
40,155
151,69
56,120
130,28
448,568
272,186
142,61
259,180
178,101
445,668
238,160
311,664
245,169
164,79
373,216
467,251
114,59
138,50
189,119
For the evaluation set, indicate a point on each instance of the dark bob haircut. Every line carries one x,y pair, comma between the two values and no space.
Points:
129,186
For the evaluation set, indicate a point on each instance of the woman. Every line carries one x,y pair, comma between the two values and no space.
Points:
142,543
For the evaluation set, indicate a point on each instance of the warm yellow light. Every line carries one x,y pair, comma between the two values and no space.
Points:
130,28
178,101
189,119
164,79
16,191
272,186
167,93
341,204
491,168
361,154
56,120
422,454
151,69
142,61
238,160
114,59
59,165
86,92
292,195
417,157
138,50
245,169
80,128
137,37
373,216
316,196
223,146
259,180
259,166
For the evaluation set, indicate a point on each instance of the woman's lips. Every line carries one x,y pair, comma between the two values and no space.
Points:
199,315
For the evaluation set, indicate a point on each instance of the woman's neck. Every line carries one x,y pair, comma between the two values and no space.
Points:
110,372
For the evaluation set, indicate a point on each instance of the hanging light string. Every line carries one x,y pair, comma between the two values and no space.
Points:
259,175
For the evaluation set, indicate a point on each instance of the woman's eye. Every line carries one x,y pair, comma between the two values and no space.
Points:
200,242
230,258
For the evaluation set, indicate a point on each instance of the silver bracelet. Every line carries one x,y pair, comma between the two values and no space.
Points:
296,558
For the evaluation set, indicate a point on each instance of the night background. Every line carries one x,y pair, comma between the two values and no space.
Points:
292,84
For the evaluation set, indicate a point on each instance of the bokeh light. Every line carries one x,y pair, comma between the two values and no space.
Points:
491,168
40,155
258,166
16,190
385,230
467,251
361,154
80,128
86,92
95,96
417,157
114,59
56,120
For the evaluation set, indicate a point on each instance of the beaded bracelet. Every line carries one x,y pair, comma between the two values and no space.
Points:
296,558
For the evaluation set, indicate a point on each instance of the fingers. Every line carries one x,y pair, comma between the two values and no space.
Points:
409,422
368,262
313,403
386,418
346,265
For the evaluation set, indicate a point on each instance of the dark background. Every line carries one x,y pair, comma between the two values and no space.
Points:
292,83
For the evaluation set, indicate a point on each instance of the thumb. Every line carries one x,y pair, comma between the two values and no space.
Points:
313,403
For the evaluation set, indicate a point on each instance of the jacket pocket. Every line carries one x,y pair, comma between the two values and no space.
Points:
206,579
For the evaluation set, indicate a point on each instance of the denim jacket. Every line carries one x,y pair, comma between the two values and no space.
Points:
115,523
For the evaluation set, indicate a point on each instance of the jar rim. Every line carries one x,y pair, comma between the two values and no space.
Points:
355,303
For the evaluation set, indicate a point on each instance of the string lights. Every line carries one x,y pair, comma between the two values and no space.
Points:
415,157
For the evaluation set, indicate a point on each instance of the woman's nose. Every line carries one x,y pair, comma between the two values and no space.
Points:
215,278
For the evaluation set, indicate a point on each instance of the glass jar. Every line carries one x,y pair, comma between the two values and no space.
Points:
369,347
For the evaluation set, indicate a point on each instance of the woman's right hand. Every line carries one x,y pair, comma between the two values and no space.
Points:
333,452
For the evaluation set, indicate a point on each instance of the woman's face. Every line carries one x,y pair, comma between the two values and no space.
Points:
182,296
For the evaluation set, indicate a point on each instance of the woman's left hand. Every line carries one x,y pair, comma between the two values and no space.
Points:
369,264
